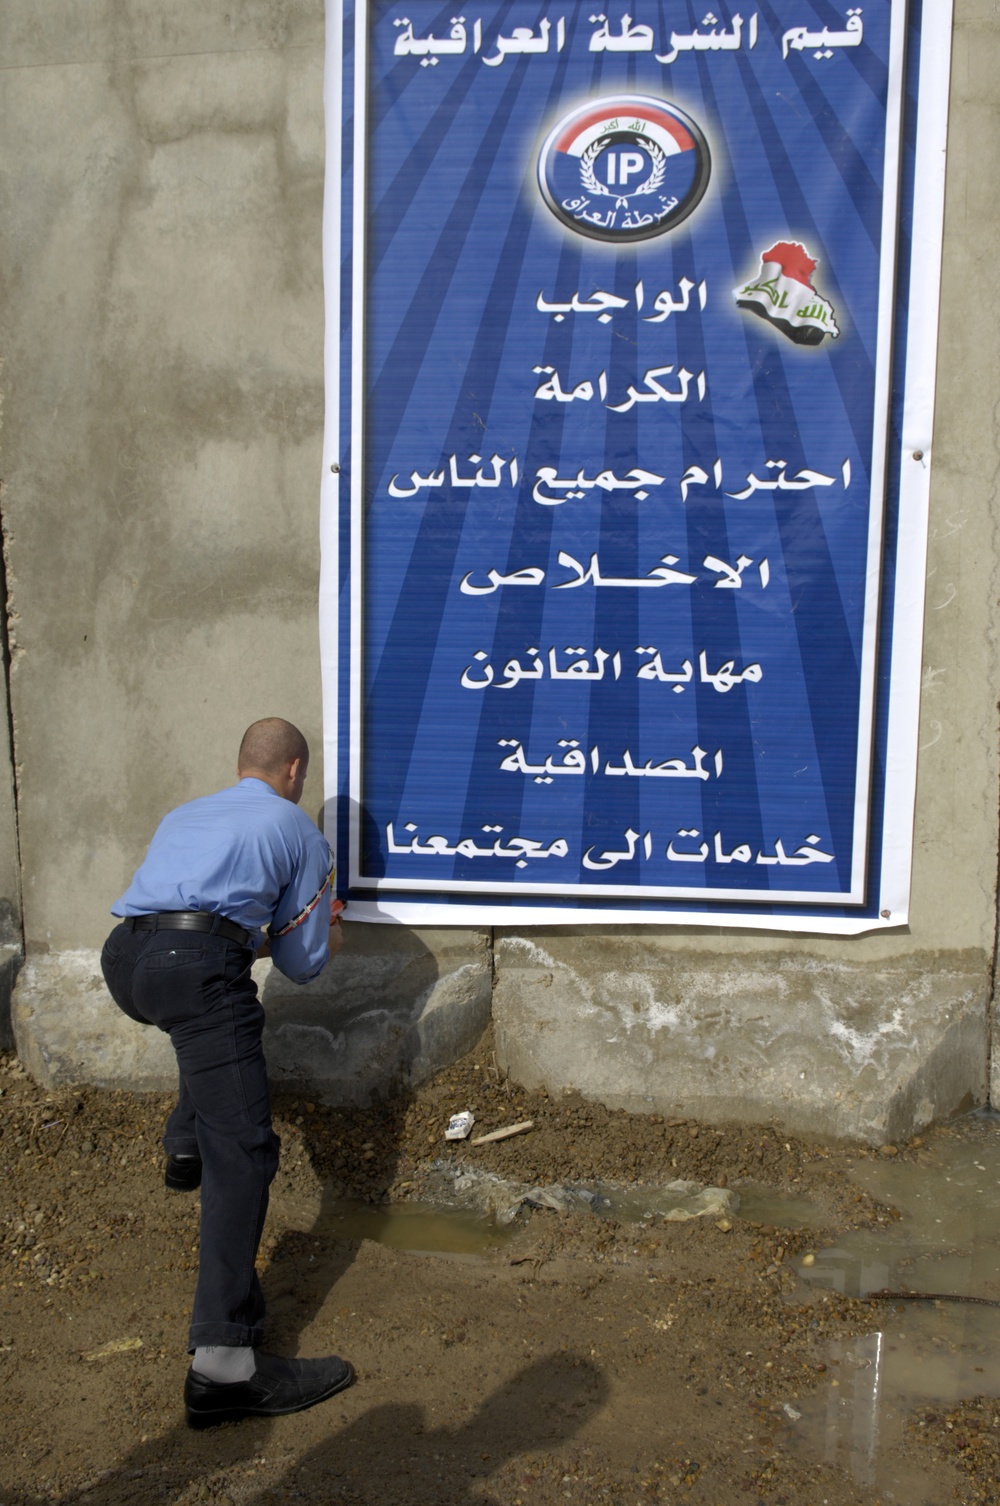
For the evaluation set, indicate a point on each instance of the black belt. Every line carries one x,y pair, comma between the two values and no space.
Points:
190,920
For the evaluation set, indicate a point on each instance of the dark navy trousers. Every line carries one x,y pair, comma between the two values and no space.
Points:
197,987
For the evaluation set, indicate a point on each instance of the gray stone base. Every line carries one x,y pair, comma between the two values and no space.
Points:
869,1051
390,1010
872,1052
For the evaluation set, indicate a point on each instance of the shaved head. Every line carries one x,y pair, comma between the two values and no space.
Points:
270,746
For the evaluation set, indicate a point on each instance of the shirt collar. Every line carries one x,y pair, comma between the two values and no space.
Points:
259,784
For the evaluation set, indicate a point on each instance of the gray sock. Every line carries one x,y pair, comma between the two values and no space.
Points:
225,1363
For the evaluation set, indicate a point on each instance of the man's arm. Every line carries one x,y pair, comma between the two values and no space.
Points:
334,941
301,933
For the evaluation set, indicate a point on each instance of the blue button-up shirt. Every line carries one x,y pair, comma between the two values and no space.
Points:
247,854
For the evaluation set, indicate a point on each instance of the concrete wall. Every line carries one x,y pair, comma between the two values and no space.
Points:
875,1036
162,334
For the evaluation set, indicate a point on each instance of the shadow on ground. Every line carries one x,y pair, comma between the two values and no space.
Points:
388,1455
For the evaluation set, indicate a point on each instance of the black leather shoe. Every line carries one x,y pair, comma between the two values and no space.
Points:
277,1387
183,1173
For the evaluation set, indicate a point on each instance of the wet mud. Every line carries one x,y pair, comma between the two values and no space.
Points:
606,1353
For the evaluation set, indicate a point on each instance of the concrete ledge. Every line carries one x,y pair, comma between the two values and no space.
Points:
67,1029
391,1009
867,1051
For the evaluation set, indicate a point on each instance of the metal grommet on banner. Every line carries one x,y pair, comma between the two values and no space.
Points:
918,454
335,468
886,914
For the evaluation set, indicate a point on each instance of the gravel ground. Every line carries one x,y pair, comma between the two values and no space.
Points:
969,1435
580,1360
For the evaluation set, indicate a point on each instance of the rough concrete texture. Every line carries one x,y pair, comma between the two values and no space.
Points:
387,1013
394,1007
67,1030
834,1048
959,737
162,326
872,1035
161,209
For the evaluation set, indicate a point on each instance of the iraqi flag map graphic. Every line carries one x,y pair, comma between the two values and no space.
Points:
783,294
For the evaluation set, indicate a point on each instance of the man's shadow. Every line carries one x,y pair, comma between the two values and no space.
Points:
319,1236
351,1046
541,1407
379,1020
342,1053
384,1014
386,1449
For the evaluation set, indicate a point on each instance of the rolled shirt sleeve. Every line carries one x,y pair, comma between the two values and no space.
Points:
302,952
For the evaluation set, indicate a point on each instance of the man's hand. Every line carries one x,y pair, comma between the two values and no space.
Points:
336,938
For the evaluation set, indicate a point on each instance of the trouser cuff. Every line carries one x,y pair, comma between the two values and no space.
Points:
228,1335
178,1146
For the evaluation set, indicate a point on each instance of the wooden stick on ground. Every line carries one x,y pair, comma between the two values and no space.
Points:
505,1133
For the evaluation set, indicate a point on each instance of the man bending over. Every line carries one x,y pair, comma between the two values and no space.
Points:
225,876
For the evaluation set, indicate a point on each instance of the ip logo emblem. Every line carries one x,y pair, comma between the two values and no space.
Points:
624,168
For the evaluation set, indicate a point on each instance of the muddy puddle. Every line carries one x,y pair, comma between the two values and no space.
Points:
435,1228
468,1214
471,1212
419,1228
947,1241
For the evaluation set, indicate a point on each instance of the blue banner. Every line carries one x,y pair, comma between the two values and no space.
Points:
621,305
